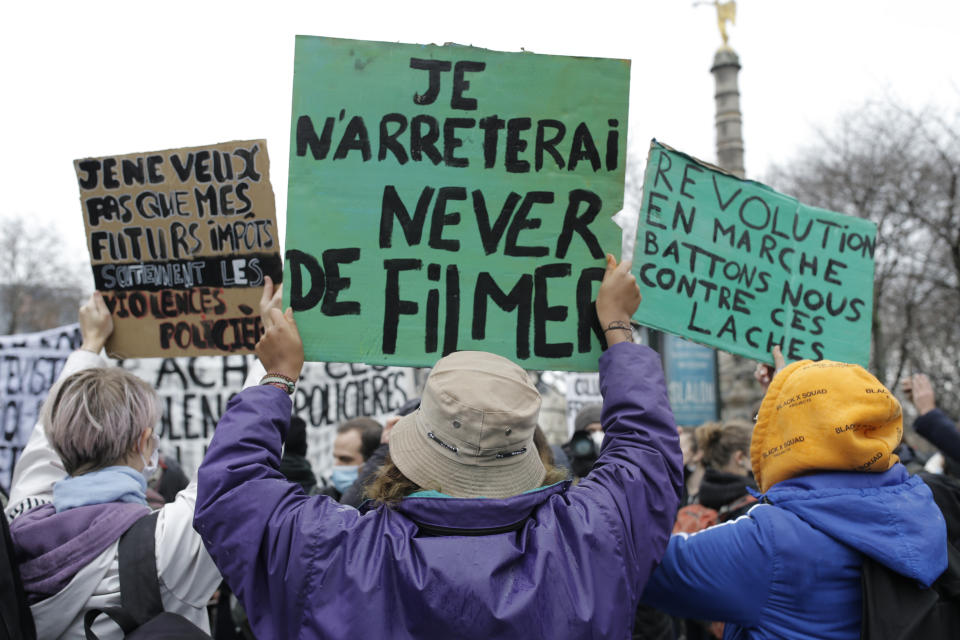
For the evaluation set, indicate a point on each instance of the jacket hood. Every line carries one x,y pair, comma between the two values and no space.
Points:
480,515
824,416
889,516
52,547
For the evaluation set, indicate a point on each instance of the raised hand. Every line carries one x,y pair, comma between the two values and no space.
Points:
271,298
764,372
281,349
96,323
617,300
920,391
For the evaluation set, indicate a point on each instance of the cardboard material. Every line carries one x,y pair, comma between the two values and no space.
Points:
451,198
179,242
733,264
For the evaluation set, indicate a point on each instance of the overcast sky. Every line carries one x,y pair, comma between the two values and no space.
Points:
100,78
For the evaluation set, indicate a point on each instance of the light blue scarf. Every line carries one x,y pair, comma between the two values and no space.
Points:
111,484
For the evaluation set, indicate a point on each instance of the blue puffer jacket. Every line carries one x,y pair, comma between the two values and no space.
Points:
790,568
570,562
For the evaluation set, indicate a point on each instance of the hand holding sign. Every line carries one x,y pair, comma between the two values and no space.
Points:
617,300
272,298
96,323
281,349
764,372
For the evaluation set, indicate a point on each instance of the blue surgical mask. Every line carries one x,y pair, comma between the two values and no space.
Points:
343,477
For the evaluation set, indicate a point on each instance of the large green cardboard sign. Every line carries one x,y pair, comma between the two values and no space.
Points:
735,265
451,198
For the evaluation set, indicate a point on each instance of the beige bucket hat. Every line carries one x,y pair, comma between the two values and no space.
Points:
473,433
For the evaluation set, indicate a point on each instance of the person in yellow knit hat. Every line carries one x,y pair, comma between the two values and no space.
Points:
832,493
824,415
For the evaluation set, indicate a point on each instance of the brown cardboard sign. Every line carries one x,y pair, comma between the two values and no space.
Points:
180,241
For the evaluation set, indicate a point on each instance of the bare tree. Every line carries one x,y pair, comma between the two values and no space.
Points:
40,287
901,169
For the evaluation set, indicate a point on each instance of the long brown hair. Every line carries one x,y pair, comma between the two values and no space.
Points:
390,486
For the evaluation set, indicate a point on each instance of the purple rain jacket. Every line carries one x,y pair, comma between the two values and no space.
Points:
560,562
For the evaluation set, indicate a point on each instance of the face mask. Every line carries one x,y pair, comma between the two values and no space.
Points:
343,477
150,466
597,437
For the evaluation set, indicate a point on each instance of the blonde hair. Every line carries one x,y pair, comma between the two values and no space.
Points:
95,417
719,441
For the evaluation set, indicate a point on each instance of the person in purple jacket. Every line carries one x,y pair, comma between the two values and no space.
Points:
479,549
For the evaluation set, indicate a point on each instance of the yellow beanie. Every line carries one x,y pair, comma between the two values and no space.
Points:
824,416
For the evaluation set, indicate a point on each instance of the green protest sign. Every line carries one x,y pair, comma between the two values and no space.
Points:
735,265
451,198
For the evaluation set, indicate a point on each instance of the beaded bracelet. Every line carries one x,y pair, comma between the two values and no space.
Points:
280,375
617,325
279,381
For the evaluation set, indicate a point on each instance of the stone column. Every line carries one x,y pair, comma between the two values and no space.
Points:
739,392
729,122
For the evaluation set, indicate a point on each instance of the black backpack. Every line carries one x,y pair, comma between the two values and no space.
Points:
16,621
895,607
141,615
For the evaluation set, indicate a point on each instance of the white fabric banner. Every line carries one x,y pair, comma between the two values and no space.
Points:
582,389
29,365
193,395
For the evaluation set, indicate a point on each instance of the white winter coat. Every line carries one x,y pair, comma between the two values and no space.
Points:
187,575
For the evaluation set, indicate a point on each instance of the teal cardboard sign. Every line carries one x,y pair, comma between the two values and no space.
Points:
735,265
451,198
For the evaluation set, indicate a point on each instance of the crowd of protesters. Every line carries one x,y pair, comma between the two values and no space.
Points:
455,518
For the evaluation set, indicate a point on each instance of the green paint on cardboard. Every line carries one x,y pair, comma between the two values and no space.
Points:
735,265
451,198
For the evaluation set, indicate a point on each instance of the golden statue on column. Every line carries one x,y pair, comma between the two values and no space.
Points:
726,12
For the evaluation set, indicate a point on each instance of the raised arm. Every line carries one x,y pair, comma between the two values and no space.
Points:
637,478
271,298
247,513
932,423
39,466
